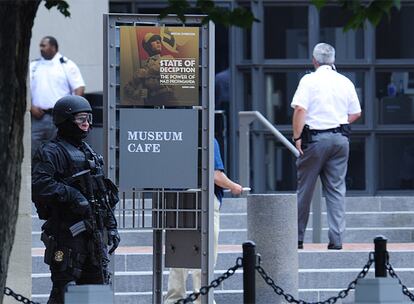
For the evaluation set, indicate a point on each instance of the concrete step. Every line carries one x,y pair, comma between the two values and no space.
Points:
364,219
353,219
321,271
361,235
308,258
316,279
238,236
353,204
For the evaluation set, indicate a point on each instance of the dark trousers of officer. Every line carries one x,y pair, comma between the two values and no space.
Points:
78,266
326,156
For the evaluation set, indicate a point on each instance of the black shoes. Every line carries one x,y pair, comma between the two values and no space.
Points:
334,247
300,244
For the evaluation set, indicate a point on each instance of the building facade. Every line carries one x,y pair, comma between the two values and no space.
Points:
264,65
259,69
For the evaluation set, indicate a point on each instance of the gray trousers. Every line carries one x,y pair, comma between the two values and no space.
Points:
326,156
43,130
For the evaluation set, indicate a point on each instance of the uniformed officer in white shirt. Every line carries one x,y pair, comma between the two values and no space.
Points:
51,77
325,103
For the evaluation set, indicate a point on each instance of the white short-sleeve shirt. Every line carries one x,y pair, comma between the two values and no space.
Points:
53,79
328,97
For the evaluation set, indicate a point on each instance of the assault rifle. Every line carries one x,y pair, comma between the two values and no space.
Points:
84,183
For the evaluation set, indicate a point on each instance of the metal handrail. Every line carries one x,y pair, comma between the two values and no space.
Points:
245,120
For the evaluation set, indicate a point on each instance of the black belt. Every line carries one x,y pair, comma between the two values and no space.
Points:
332,130
48,111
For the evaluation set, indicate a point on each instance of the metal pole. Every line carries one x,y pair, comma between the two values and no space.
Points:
380,256
244,151
249,275
157,239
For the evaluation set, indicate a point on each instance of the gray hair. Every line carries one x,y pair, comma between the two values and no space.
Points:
324,53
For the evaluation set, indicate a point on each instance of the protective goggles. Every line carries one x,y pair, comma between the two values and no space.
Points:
81,118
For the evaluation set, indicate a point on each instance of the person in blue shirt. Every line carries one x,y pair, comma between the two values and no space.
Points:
178,276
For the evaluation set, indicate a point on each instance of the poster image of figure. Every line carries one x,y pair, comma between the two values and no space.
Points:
159,66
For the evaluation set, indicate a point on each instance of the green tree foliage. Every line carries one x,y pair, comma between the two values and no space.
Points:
61,5
240,16
373,10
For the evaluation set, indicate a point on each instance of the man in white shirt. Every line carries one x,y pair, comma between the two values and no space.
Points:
52,77
325,103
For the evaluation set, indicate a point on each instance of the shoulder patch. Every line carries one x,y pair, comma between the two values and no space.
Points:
63,59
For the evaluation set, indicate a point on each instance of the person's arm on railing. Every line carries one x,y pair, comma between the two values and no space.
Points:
298,122
221,179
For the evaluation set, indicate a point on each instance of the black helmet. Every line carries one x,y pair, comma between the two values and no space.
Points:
67,106
146,42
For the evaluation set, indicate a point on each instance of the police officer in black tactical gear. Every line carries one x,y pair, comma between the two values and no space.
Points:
75,198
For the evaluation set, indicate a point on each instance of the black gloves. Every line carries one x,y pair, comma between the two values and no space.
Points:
113,239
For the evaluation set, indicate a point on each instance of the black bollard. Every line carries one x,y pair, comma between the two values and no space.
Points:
380,256
249,272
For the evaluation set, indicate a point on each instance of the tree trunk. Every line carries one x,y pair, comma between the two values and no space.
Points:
16,21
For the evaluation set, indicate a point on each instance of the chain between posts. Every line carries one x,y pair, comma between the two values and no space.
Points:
215,283
18,297
342,294
392,273
269,281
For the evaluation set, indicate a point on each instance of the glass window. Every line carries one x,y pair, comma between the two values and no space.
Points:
120,7
221,48
348,45
355,177
280,88
247,91
394,36
280,167
246,36
395,96
358,79
286,32
396,162
247,44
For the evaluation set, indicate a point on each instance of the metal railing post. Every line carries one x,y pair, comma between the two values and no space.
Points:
380,256
249,272
244,150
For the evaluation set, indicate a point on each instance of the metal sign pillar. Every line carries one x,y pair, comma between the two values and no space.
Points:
207,195
114,108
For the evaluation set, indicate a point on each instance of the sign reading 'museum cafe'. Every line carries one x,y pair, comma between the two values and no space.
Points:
138,137
159,148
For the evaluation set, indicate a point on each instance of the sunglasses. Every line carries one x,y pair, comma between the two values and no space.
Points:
82,118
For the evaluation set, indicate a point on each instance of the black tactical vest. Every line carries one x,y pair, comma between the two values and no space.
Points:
77,158
84,162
